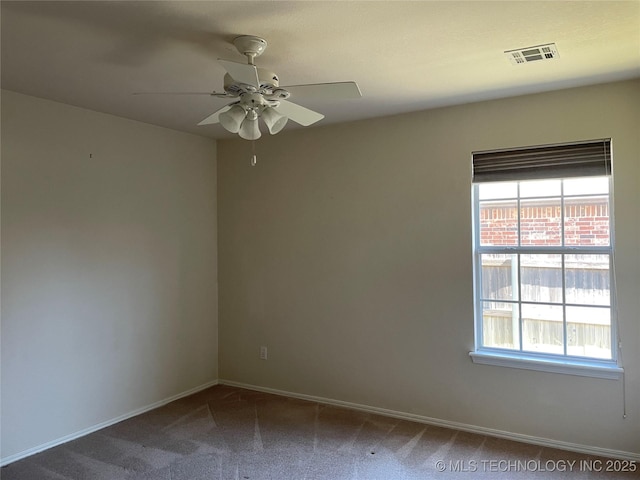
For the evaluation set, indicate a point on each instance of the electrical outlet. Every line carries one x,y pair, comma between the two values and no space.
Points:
263,353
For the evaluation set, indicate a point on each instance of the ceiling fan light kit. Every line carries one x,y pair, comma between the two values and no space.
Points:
258,95
273,120
249,129
232,119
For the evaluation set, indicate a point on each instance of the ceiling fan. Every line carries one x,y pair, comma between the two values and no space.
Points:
257,94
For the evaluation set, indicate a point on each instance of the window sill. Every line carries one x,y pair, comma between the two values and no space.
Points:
567,367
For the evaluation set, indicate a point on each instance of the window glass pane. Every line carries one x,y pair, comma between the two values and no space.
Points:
500,325
499,277
586,221
540,188
498,223
497,190
587,279
540,222
542,328
589,332
586,186
541,278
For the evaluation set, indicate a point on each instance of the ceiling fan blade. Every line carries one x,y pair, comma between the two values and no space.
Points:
298,113
214,117
212,94
337,90
241,72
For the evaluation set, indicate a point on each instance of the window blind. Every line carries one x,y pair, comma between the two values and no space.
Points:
591,158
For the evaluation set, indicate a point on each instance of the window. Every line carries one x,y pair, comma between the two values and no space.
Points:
543,255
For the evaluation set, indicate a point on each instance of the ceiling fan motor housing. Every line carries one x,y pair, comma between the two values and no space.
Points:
268,81
252,101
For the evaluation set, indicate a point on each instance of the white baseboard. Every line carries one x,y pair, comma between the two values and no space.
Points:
518,437
67,438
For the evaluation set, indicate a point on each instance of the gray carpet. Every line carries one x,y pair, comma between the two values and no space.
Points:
227,433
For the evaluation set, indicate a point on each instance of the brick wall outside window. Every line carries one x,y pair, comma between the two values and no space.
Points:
586,222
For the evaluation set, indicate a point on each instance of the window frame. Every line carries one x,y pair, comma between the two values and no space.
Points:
547,362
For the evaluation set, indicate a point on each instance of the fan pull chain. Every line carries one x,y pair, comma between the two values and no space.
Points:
254,158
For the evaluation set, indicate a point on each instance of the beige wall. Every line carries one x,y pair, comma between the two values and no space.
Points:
347,251
108,268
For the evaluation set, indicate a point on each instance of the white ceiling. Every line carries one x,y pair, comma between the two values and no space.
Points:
405,56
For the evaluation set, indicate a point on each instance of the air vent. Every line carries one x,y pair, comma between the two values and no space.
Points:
533,54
